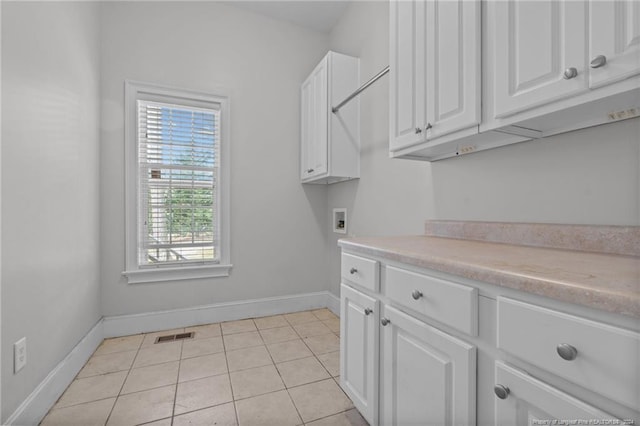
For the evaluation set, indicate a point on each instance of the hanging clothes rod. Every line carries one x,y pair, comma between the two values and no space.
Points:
360,89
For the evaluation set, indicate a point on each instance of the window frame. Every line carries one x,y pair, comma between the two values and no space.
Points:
134,91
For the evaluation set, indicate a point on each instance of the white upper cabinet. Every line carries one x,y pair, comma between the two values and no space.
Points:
407,73
614,41
434,69
473,75
453,66
314,149
330,142
540,51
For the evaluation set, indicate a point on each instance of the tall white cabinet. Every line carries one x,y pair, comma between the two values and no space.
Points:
434,70
330,142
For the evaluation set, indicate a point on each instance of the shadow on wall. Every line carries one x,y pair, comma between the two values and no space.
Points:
581,177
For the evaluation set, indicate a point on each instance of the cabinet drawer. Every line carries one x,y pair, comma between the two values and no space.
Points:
605,359
530,399
450,303
360,271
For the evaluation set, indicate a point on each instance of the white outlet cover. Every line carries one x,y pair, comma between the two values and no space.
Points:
19,355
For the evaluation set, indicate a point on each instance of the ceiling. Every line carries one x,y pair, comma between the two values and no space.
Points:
313,14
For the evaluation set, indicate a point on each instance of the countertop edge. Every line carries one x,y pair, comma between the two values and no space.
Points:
601,299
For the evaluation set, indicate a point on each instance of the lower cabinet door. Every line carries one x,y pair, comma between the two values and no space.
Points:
428,376
359,350
523,400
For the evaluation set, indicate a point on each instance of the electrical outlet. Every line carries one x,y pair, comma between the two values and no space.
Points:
19,355
465,149
623,114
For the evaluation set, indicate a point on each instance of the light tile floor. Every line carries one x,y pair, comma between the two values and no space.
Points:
272,371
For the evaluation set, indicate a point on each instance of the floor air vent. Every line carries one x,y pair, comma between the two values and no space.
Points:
173,337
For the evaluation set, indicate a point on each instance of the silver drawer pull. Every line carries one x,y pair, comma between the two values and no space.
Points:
566,351
501,391
309,170
418,130
385,321
353,271
417,294
598,61
570,73
368,311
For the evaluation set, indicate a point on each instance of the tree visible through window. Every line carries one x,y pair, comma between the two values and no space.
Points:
178,171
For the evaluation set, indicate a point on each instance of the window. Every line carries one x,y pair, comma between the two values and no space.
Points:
177,184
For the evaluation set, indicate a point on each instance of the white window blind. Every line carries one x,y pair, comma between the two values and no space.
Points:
178,172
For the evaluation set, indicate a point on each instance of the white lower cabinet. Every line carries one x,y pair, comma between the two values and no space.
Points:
428,377
412,341
524,400
397,369
359,350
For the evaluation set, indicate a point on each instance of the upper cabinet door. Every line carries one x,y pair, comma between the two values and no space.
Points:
540,51
453,66
614,41
314,105
407,73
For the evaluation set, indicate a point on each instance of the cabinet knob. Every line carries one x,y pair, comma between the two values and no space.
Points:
598,61
353,271
368,311
501,391
385,321
566,351
418,130
417,294
429,126
570,73
309,170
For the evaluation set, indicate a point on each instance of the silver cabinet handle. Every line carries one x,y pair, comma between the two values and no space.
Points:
418,130
501,391
417,294
598,61
385,321
353,271
566,351
309,170
429,126
368,311
570,73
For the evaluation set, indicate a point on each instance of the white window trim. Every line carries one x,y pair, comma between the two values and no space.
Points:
135,90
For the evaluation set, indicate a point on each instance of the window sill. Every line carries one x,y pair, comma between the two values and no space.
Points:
176,274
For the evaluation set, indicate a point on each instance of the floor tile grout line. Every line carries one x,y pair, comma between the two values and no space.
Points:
284,384
175,393
330,415
125,380
226,361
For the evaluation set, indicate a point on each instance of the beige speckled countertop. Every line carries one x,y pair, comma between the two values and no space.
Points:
602,281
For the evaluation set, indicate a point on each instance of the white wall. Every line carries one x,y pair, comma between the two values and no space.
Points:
50,171
591,176
392,197
278,226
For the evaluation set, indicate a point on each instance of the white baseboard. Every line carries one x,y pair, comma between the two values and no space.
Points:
35,407
333,303
124,325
